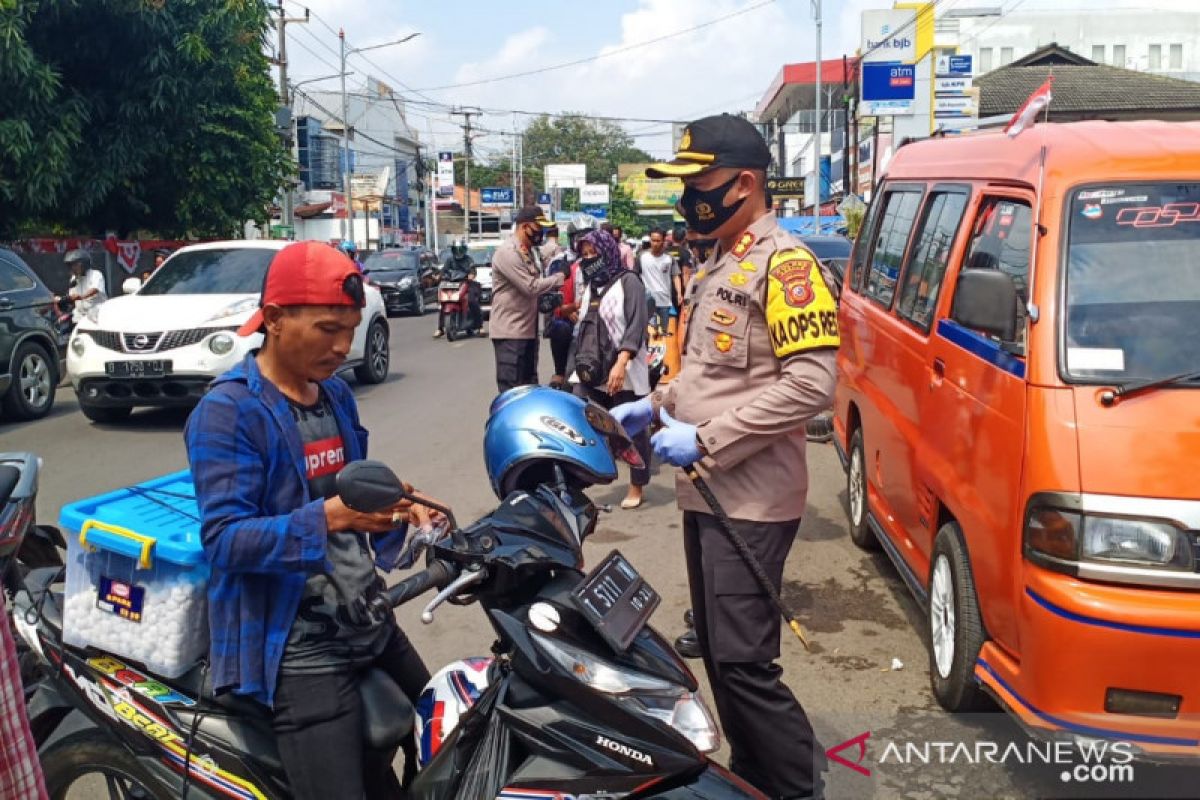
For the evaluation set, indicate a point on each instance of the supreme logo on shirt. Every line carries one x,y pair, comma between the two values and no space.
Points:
324,457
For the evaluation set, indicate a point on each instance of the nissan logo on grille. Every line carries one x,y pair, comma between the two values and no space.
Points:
141,341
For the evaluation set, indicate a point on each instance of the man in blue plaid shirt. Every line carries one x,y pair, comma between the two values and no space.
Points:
294,569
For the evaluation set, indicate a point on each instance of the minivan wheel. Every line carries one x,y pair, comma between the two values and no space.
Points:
856,495
956,631
31,394
377,358
108,414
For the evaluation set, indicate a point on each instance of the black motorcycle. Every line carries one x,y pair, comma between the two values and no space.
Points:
582,698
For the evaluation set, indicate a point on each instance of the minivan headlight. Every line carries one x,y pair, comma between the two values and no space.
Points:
1073,537
652,697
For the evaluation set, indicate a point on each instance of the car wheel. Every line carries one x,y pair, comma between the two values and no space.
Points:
856,495
956,631
106,413
419,308
31,394
377,358
452,326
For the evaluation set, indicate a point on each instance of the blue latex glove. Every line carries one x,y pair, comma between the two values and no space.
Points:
676,443
634,417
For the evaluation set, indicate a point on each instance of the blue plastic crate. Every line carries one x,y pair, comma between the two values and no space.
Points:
136,574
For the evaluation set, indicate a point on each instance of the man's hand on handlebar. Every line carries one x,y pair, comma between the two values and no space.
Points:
421,516
339,517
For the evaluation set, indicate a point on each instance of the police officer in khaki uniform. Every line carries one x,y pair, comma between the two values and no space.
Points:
759,340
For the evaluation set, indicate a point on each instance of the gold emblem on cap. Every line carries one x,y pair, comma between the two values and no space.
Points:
685,141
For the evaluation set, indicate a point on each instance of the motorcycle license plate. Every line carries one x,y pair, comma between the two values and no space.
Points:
616,600
137,369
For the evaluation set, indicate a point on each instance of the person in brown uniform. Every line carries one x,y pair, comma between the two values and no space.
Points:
759,338
516,283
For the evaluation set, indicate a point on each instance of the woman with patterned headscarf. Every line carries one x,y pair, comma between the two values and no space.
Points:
617,299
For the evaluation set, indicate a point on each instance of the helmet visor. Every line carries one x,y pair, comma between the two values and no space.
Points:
614,435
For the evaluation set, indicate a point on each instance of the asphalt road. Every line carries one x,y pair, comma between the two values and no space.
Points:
867,672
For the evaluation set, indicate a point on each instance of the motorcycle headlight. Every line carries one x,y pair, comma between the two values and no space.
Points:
220,344
233,309
647,695
78,345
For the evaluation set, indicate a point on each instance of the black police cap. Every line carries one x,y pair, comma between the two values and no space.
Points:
719,141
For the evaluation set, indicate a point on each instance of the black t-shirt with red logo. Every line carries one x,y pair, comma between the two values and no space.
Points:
333,629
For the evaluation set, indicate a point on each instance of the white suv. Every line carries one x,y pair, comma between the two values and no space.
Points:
163,344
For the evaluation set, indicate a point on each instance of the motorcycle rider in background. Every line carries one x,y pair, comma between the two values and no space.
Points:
459,266
351,250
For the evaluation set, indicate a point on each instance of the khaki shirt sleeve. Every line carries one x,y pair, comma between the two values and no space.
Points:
804,389
509,265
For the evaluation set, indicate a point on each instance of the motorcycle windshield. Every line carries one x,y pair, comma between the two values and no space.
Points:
545,524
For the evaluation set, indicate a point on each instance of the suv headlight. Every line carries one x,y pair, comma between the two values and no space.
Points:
78,345
405,283
1071,536
647,695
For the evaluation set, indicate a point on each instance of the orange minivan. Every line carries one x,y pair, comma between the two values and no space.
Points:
1018,412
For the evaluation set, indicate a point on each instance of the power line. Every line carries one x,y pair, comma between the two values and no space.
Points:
599,56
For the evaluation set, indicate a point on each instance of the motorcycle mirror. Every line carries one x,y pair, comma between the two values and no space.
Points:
369,486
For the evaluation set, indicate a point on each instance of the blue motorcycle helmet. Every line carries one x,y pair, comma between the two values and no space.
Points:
348,247
533,429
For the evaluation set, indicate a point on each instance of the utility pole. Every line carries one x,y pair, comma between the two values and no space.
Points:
466,114
285,99
817,205
348,225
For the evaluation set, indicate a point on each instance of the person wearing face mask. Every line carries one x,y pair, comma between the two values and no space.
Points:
608,361
759,335
516,283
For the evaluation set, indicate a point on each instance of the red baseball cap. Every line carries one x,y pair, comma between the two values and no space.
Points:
305,274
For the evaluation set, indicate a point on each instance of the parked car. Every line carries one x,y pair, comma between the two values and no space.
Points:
1016,410
30,365
162,343
406,278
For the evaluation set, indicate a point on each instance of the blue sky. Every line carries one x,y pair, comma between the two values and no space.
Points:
724,67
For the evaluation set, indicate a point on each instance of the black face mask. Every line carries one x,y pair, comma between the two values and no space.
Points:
705,210
537,236
589,267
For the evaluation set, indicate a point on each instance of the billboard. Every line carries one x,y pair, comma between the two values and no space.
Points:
497,196
889,35
648,193
565,176
594,194
888,89
445,174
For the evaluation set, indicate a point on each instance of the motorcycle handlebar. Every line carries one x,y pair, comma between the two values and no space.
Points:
438,574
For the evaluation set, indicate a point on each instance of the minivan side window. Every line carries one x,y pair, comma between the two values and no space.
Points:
931,254
858,266
13,279
1001,237
899,214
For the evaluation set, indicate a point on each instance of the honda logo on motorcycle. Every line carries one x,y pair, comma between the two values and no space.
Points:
624,750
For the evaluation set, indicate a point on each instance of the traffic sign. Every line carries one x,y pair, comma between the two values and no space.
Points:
544,199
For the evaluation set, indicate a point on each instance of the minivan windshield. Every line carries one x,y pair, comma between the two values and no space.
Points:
1133,282
224,271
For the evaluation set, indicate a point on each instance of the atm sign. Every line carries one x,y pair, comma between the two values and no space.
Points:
901,76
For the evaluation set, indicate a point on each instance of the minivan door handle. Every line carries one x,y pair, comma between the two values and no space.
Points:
939,373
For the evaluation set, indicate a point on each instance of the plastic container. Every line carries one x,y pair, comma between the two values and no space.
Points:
137,578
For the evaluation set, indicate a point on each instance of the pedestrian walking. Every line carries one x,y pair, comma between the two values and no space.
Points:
516,284
660,273
608,356
759,337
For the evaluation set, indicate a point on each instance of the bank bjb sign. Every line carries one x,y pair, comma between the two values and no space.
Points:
889,35
786,187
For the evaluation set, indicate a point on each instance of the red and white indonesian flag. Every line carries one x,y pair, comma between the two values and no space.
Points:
1028,112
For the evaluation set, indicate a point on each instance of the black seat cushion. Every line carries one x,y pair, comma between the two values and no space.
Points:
388,716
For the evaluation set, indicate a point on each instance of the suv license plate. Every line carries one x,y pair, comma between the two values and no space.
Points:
137,369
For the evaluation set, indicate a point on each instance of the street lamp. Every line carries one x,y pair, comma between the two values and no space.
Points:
315,80
346,174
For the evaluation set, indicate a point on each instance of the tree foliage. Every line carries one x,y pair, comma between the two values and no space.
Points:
578,139
622,212
136,114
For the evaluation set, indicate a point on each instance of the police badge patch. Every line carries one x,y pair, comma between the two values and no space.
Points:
796,276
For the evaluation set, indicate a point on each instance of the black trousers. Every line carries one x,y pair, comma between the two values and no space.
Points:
516,362
561,337
771,741
638,477
318,725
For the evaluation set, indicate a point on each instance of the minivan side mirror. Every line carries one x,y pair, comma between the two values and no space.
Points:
986,300
131,285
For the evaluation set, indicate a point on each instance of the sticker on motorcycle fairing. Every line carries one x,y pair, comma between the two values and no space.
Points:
621,749
123,599
145,686
560,427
